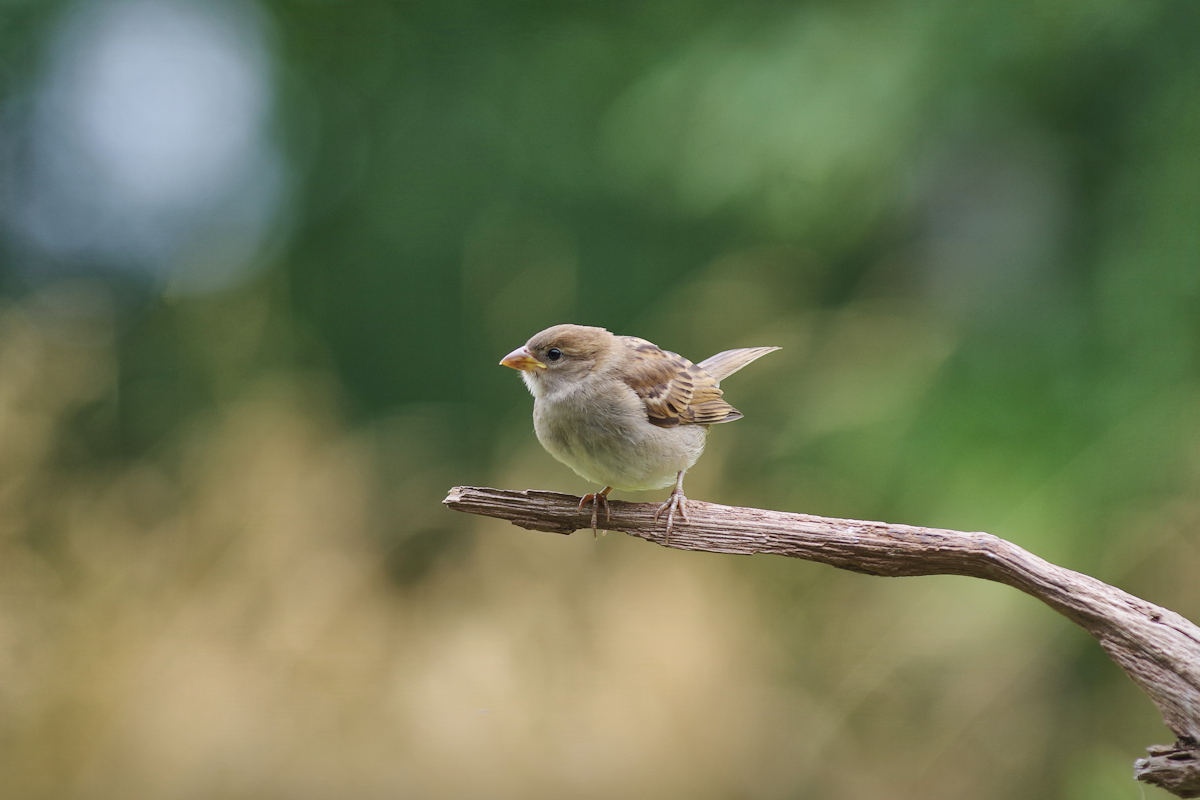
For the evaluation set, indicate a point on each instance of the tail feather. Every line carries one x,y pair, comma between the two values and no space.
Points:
722,365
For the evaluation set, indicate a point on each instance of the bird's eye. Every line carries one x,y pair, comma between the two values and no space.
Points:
554,354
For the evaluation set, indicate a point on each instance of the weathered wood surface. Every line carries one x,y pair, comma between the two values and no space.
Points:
1158,648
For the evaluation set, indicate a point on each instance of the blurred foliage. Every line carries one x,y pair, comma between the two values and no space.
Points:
973,227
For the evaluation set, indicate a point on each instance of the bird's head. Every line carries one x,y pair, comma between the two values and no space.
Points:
559,356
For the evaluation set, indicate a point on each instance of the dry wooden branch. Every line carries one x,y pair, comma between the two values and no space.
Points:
1158,648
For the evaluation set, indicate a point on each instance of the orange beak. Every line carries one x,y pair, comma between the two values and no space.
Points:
522,359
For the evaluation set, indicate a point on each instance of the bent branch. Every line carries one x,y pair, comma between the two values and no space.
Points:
1158,648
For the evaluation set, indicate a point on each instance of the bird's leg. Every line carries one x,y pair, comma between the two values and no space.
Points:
597,499
677,502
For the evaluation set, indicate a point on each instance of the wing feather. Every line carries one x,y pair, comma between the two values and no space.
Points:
675,390
662,380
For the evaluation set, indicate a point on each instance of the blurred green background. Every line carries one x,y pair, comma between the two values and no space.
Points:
260,259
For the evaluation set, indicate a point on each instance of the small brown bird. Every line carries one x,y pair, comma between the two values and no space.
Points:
623,412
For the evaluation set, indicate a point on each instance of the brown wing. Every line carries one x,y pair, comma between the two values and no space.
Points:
675,390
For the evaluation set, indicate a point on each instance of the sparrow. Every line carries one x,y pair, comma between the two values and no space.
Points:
622,412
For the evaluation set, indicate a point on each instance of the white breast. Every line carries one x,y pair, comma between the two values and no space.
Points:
607,439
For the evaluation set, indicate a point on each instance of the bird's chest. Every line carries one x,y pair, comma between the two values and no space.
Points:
607,438
580,427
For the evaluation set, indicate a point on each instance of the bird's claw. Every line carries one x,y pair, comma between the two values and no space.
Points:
597,499
677,502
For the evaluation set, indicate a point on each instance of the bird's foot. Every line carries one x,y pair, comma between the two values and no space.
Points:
677,502
597,499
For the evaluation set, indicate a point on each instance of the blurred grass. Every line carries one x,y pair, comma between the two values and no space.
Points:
226,571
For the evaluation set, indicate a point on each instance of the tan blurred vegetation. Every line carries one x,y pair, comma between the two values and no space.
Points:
216,622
